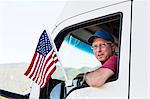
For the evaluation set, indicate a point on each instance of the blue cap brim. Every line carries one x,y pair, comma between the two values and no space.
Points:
101,34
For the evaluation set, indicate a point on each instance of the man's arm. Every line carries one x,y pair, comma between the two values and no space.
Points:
98,77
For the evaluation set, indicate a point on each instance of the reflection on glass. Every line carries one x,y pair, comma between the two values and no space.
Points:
76,57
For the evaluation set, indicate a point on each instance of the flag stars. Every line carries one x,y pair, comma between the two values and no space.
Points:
44,45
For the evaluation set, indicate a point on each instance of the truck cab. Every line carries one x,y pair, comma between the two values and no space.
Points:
127,21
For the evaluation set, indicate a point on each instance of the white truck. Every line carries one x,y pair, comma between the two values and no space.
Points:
128,21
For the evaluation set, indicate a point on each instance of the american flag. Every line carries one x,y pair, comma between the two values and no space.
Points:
43,63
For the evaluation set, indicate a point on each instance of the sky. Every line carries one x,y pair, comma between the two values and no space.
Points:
21,23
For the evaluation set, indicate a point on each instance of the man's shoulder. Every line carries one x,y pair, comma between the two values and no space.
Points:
111,63
113,58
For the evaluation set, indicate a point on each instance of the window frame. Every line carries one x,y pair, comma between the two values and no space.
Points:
102,19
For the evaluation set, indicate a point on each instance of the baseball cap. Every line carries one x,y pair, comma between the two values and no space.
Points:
101,34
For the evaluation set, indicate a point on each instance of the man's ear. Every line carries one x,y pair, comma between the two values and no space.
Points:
114,47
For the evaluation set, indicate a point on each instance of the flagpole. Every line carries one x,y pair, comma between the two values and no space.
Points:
49,35
34,91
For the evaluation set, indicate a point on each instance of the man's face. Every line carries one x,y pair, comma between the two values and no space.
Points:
102,49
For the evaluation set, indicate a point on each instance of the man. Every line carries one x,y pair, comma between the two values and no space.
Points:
104,50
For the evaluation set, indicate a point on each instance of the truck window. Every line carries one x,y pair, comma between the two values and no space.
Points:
75,51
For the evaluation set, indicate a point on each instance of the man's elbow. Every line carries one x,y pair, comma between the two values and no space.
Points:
97,84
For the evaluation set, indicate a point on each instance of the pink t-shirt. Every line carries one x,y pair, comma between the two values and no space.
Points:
111,63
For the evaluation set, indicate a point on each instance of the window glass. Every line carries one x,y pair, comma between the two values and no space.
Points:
70,51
